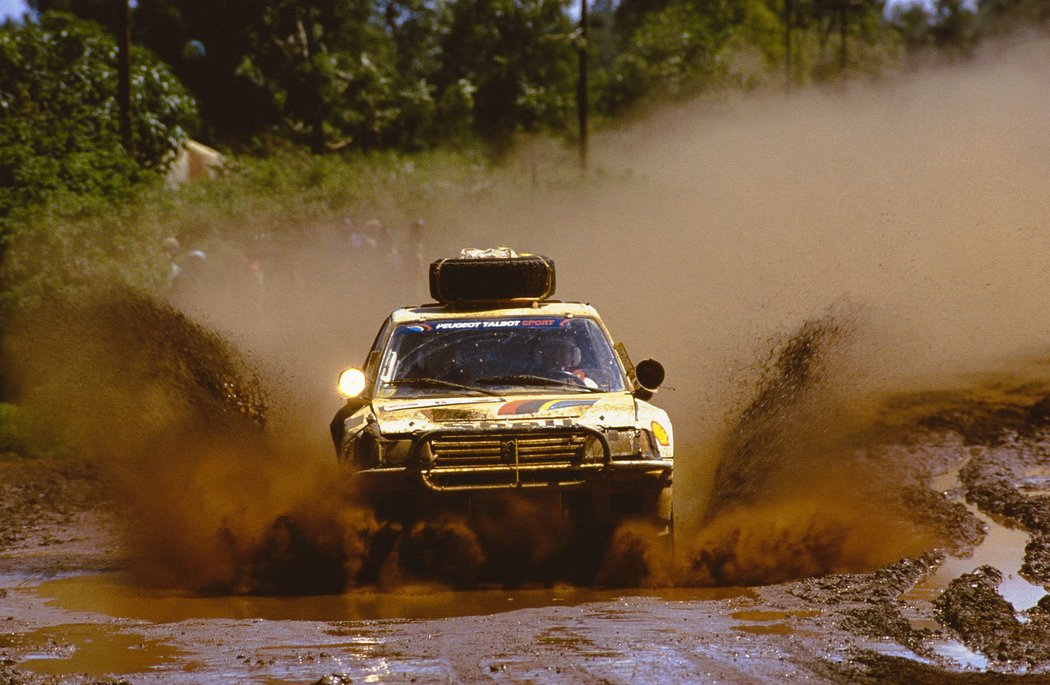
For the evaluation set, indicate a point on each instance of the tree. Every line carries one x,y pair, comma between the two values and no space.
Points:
948,29
913,24
1002,16
844,26
675,53
515,61
60,129
954,28
205,43
325,72
310,55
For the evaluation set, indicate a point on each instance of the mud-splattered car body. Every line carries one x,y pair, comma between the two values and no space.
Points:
531,397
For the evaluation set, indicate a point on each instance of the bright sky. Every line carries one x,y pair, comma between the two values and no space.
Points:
11,8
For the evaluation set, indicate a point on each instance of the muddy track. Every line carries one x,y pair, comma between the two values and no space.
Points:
969,463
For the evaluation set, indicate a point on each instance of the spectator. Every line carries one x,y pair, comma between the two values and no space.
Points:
415,244
190,280
171,248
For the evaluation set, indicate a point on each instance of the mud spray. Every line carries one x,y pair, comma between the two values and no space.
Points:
178,421
793,260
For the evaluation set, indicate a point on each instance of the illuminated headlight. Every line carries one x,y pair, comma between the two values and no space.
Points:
352,382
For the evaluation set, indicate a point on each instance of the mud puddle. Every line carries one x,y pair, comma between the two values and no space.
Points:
113,594
948,651
106,626
1036,482
88,648
1002,548
770,622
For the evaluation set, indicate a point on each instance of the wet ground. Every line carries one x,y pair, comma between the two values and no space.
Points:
973,609
908,542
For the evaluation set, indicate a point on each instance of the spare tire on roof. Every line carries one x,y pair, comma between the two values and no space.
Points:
466,280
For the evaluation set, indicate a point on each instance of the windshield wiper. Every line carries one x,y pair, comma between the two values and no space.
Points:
528,379
437,382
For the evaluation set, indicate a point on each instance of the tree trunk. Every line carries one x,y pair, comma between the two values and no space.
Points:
843,31
581,89
317,139
124,76
788,9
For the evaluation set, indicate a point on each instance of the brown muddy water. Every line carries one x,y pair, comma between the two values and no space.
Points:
115,647
901,622
89,649
1002,547
117,596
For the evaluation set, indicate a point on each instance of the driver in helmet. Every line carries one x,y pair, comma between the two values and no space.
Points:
560,356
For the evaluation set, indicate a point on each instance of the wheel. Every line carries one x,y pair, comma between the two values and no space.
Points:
664,514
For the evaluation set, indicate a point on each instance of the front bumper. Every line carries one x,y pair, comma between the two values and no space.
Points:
537,457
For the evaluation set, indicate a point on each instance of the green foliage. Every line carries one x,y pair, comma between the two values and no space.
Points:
12,440
416,74
949,30
314,61
60,133
761,28
25,434
675,53
517,60
405,74
995,17
72,246
76,244
954,28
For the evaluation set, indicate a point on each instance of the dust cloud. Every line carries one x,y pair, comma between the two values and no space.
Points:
914,210
791,259
176,419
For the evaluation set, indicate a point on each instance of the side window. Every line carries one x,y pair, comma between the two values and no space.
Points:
374,353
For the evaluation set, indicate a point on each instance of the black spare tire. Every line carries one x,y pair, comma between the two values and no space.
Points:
454,281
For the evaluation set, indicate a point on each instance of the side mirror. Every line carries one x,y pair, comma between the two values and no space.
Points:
650,374
352,383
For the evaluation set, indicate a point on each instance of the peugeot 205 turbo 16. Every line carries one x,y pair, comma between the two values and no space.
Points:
495,389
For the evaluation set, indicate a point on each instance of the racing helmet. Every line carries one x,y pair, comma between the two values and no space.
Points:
560,351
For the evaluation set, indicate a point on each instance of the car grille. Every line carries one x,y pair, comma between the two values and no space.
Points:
485,449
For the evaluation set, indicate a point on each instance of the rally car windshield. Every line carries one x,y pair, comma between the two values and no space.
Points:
494,356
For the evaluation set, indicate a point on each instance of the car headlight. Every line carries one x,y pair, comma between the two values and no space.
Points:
426,455
365,450
631,443
395,452
592,450
370,452
647,445
623,442
352,383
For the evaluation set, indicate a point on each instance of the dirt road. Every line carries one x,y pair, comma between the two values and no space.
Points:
73,610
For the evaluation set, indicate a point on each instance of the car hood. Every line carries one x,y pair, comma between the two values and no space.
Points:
423,414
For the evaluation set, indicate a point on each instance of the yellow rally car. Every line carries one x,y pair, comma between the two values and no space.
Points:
496,388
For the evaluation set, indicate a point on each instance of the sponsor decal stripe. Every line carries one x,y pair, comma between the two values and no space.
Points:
564,404
538,406
521,407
